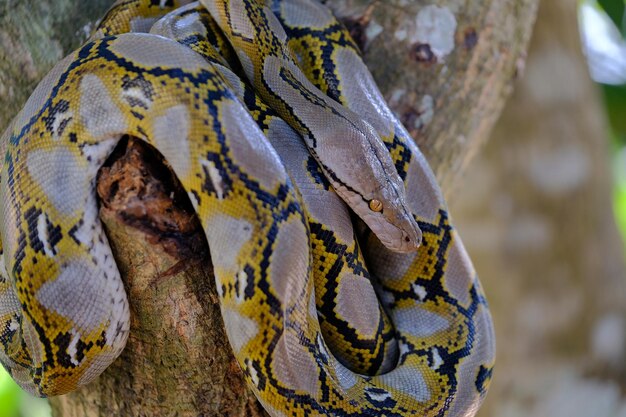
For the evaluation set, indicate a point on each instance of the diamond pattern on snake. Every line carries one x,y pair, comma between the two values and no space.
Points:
344,288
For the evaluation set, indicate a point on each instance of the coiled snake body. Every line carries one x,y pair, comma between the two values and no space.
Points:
273,124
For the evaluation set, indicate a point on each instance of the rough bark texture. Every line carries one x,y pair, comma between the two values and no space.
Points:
35,35
535,213
448,83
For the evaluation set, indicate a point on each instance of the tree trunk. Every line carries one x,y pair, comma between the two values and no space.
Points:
445,69
535,211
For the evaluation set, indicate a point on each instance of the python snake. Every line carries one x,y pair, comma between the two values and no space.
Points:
276,129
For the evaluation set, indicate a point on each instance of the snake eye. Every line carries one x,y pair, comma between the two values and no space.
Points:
376,205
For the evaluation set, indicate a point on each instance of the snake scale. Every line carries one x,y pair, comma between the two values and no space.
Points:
278,133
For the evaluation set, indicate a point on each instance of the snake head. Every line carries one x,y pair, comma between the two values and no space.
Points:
364,176
385,213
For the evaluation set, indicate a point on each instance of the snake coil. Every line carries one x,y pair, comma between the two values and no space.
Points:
281,131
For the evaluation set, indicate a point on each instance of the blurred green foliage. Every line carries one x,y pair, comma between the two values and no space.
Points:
620,205
10,396
16,403
616,9
615,99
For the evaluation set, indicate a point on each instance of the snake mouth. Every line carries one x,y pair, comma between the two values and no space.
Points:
406,243
411,234
405,237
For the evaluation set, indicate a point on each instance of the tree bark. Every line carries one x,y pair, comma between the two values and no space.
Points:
535,211
446,70
34,36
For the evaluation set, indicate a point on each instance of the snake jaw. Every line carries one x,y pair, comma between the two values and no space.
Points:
391,219
397,214
397,230
392,224
395,238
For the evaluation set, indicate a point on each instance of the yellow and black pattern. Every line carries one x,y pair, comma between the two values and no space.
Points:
332,61
337,263
327,128
282,242
127,16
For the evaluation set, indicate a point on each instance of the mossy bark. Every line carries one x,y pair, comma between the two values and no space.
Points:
445,67
448,85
